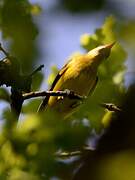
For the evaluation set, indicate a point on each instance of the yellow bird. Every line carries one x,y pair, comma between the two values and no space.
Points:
78,75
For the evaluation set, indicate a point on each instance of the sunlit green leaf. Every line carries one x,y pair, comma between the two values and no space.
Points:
35,9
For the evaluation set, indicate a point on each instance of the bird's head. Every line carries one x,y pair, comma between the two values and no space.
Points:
100,53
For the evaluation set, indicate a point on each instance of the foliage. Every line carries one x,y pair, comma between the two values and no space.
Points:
20,30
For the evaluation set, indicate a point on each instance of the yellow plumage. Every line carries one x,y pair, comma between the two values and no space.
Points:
78,75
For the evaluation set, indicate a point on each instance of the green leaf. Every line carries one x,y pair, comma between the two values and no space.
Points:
35,9
36,81
54,71
31,106
4,95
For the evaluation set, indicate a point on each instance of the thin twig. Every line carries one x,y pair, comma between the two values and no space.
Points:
74,153
37,69
111,107
69,154
65,93
3,50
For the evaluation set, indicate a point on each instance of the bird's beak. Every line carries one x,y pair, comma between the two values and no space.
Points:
110,45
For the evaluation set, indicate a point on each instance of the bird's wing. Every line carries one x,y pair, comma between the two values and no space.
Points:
61,72
58,76
94,85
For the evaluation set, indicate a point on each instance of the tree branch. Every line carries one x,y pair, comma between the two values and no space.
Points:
65,93
111,107
74,153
